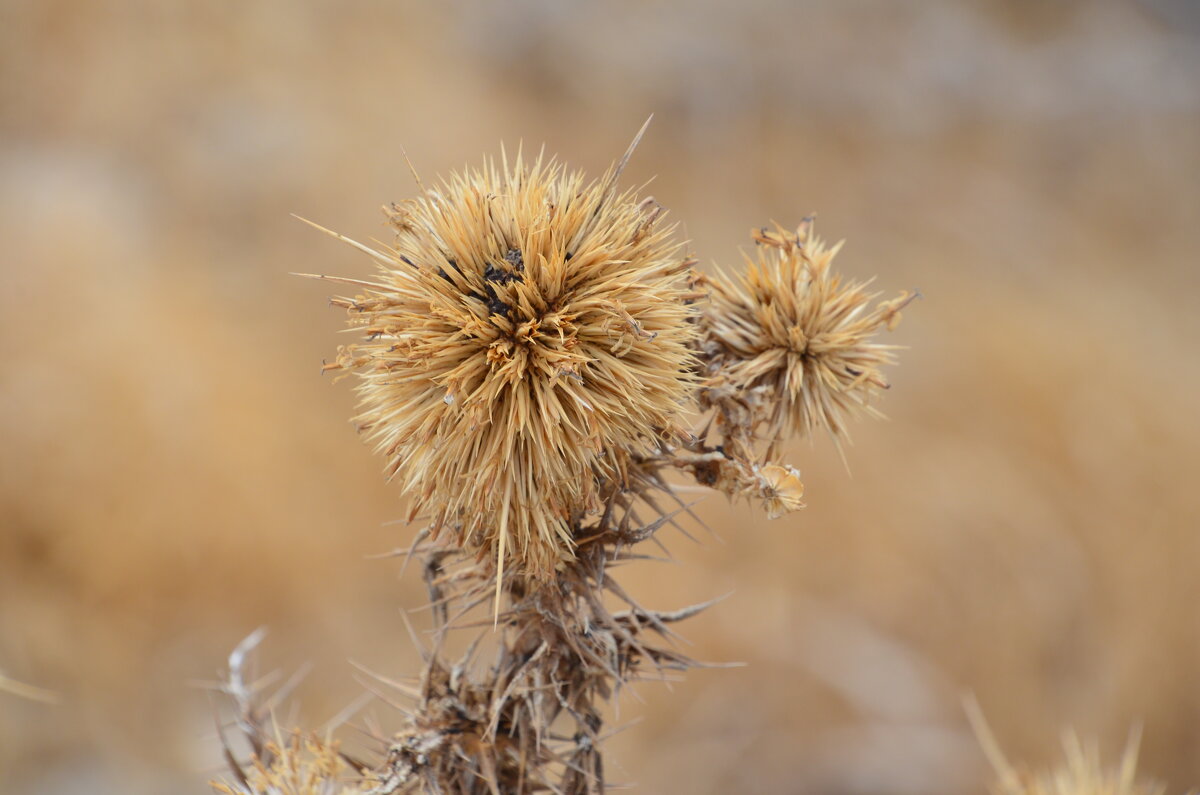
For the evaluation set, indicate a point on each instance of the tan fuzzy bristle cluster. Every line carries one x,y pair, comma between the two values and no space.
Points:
792,340
528,332
297,766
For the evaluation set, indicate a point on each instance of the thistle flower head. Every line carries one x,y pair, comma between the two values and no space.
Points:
528,331
793,341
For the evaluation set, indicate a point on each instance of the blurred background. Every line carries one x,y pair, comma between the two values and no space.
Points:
175,472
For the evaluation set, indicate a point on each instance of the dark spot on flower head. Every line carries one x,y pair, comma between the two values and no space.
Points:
495,305
515,258
493,273
503,275
569,255
407,261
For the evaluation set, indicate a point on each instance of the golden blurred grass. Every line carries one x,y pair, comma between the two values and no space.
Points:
175,472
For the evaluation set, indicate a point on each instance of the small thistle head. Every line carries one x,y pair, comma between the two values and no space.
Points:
529,330
792,342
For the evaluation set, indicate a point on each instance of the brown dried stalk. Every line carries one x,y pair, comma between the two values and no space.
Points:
532,720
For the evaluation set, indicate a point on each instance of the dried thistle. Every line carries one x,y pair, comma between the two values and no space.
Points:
528,332
789,345
531,342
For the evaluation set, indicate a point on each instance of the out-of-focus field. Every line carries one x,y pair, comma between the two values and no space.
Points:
175,472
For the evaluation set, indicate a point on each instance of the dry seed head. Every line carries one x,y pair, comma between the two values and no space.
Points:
790,330
527,332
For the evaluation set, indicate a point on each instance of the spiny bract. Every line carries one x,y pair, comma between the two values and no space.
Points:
528,332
